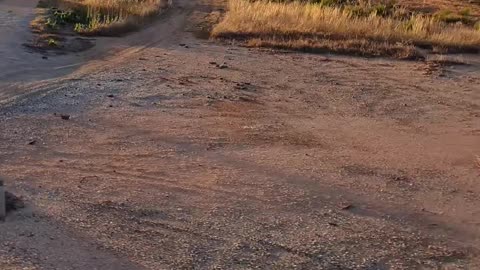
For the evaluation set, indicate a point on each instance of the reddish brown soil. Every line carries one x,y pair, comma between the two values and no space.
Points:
182,153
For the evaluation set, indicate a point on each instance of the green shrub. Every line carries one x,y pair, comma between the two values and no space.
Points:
59,18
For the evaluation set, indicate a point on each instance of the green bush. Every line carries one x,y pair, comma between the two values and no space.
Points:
63,17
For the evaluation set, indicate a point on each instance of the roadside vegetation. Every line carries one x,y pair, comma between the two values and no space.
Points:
59,22
96,17
351,26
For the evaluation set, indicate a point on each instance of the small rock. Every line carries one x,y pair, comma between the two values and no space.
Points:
44,57
32,142
400,178
212,63
245,99
110,96
65,116
347,206
222,66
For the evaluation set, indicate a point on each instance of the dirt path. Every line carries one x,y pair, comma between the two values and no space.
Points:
19,64
23,72
277,160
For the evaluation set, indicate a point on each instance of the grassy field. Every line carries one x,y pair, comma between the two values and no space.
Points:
352,26
100,17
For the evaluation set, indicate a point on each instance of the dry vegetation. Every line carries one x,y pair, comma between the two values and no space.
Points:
360,27
104,16
101,17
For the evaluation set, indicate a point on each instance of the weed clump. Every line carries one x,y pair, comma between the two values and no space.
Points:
102,17
59,18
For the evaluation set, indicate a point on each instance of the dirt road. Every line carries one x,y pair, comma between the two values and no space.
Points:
182,153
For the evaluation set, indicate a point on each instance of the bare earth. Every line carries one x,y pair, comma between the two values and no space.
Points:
274,161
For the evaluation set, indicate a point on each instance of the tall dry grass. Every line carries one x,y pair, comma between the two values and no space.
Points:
288,22
110,17
123,8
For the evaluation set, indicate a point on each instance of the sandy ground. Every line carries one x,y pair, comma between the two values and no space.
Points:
275,161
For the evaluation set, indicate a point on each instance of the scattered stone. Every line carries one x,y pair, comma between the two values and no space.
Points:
32,142
246,99
142,59
212,63
63,116
222,66
182,44
400,178
333,224
347,206
110,96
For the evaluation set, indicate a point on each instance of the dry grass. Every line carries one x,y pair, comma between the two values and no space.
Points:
432,6
300,25
111,17
107,17
361,47
123,8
